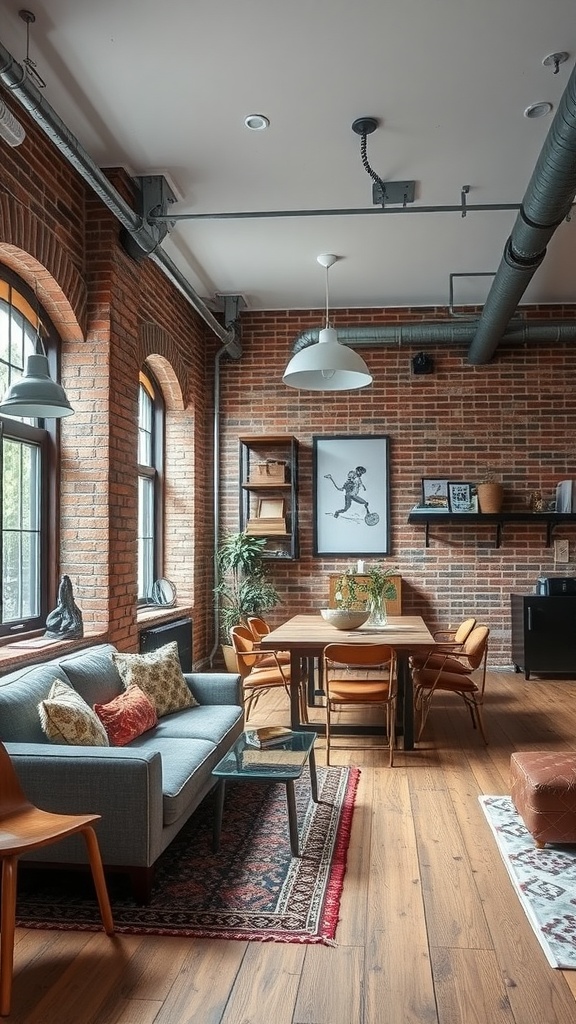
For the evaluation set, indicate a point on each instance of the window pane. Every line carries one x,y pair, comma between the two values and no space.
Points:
20,530
145,536
145,420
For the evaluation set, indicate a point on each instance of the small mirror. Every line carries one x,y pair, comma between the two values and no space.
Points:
163,592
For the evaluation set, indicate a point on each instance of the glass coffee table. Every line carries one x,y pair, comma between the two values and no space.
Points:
283,762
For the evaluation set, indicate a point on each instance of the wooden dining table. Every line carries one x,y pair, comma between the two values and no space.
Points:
306,636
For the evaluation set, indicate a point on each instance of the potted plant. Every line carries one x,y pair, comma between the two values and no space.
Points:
243,587
490,493
373,591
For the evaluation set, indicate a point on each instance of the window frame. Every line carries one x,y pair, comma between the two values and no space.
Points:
155,471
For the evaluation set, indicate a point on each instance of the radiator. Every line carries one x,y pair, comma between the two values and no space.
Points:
180,630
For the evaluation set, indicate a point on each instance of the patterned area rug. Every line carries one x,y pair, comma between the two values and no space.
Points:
253,889
545,880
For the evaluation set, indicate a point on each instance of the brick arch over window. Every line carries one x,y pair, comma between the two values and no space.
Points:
34,252
159,353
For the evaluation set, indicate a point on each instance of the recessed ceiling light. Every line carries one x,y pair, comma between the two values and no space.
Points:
256,122
538,109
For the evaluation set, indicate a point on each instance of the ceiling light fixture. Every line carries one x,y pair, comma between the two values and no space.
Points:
256,122
327,365
35,395
538,109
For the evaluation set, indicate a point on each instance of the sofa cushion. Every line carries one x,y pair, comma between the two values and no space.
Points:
186,764
93,674
212,723
67,718
20,694
159,674
129,715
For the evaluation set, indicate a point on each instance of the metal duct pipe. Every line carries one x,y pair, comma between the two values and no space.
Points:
547,202
147,237
436,332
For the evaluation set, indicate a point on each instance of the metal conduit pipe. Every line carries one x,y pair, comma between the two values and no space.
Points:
437,332
147,237
546,203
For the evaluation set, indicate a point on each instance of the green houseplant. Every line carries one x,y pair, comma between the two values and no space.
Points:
243,587
373,591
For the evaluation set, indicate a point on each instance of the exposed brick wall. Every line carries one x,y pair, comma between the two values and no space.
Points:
516,415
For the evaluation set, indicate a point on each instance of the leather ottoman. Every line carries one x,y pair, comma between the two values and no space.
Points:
543,791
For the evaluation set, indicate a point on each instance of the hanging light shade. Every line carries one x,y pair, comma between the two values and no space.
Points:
35,395
327,365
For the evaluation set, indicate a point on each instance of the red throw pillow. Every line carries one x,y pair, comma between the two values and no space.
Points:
127,716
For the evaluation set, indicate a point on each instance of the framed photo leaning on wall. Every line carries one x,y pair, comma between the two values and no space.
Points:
351,494
461,497
435,493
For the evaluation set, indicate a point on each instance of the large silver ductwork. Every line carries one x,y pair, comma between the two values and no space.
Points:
438,332
548,199
146,237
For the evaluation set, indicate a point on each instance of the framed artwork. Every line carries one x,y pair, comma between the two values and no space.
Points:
461,498
435,493
351,495
270,508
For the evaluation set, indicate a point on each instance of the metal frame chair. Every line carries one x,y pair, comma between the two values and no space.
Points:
24,827
345,685
260,670
453,672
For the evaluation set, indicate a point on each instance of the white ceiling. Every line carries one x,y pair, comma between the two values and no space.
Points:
165,87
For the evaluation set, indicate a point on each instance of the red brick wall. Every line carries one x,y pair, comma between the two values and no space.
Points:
516,415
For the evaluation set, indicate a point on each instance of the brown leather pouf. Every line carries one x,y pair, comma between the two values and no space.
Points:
543,790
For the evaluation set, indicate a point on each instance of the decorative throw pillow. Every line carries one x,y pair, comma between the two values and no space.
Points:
159,674
127,716
65,717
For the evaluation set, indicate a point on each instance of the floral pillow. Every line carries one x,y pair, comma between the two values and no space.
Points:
159,675
65,717
127,716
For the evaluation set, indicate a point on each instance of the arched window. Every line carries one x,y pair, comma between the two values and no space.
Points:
150,484
28,469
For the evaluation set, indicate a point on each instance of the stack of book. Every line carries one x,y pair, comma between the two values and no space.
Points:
262,527
267,736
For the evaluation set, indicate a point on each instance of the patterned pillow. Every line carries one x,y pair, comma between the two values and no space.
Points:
159,674
65,717
127,716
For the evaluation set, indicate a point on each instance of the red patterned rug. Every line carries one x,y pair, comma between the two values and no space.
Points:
253,889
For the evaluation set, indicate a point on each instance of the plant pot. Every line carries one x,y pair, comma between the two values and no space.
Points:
230,660
490,497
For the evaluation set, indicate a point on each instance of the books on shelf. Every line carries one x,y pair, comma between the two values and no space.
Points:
267,736
262,527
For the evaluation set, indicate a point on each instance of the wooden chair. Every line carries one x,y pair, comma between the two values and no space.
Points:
24,827
259,628
450,639
453,672
357,675
260,670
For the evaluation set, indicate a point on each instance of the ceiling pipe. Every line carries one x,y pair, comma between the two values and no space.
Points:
437,332
146,236
546,204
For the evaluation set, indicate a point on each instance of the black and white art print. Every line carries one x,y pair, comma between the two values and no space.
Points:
351,495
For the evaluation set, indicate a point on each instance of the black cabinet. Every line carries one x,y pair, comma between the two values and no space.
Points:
543,634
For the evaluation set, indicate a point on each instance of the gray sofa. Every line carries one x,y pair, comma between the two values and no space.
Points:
144,791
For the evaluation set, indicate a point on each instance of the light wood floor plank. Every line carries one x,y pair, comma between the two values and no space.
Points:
332,988
266,988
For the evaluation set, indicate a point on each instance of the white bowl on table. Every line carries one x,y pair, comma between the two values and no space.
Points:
342,618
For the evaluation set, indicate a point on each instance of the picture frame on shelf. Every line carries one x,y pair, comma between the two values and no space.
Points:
351,495
461,497
270,508
435,494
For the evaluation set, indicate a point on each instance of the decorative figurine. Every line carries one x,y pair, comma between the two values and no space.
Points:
66,619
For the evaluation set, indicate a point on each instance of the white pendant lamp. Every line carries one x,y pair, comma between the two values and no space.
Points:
327,365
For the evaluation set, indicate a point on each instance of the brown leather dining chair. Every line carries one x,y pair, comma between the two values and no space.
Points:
358,675
454,672
450,639
259,628
260,670
24,827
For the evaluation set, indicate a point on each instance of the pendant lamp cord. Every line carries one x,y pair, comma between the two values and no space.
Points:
327,306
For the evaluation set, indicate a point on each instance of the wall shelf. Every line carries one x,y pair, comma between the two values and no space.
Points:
281,534
550,520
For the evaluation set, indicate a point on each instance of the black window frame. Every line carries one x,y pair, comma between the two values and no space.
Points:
155,472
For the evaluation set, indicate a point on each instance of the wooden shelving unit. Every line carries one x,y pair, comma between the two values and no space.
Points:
260,494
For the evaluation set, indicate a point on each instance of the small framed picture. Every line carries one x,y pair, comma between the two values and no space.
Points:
270,508
461,498
435,493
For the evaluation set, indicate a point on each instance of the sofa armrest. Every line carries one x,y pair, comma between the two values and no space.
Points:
215,687
123,785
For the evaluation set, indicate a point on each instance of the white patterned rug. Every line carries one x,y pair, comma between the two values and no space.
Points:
544,880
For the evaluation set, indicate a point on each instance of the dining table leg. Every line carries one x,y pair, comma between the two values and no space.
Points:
405,698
